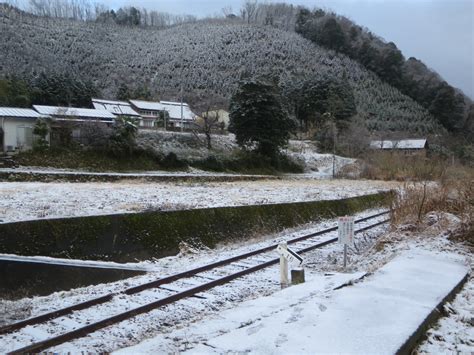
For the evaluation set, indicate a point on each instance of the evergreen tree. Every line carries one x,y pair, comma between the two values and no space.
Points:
123,93
448,108
303,16
258,119
14,92
331,36
316,96
62,90
390,64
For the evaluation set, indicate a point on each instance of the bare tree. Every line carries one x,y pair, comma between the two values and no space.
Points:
227,11
210,122
249,10
75,9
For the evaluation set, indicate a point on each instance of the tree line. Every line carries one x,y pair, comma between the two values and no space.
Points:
54,89
87,10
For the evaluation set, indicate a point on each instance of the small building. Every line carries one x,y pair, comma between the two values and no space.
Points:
117,108
406,146
166,114
16,128
71,123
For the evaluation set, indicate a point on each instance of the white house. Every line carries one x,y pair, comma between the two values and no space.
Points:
118,108
169,114
16,128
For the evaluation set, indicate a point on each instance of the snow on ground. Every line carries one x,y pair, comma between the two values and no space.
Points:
186,145
251,318
454,333
316,164
35,200
60,171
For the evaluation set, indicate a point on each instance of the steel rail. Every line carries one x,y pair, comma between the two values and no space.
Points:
84,331
168,279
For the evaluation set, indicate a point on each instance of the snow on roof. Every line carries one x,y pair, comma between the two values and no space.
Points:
147,105
399,144
19,112
111,102
174,110
173,103
115,107
75,112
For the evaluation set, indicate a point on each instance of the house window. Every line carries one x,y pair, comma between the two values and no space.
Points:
148,123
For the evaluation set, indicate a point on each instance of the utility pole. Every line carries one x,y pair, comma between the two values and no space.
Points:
182,122
333,124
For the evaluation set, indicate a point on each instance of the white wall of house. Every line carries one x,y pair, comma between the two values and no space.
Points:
17,134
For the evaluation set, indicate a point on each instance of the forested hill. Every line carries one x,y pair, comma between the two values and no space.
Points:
206,58
448,105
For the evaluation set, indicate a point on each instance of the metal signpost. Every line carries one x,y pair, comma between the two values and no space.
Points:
345,233
286,256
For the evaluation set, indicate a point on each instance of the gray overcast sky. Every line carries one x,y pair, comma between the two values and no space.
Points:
439,32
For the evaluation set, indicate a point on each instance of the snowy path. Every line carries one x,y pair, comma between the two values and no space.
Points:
21,201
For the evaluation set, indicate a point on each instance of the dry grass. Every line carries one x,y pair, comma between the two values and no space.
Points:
431,185
400,167
453,193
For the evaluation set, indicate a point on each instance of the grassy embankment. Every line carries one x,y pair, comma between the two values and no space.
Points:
144,160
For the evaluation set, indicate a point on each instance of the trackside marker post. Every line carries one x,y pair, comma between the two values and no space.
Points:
345,232
286,256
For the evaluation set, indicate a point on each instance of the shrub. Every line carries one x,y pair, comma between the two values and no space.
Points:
171,161
210,163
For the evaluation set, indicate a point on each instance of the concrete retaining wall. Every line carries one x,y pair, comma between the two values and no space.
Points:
128,237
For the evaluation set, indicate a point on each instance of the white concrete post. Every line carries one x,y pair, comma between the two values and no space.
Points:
284,268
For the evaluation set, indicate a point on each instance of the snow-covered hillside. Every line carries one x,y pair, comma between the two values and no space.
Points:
206,58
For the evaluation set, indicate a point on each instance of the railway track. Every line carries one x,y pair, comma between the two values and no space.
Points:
170,289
